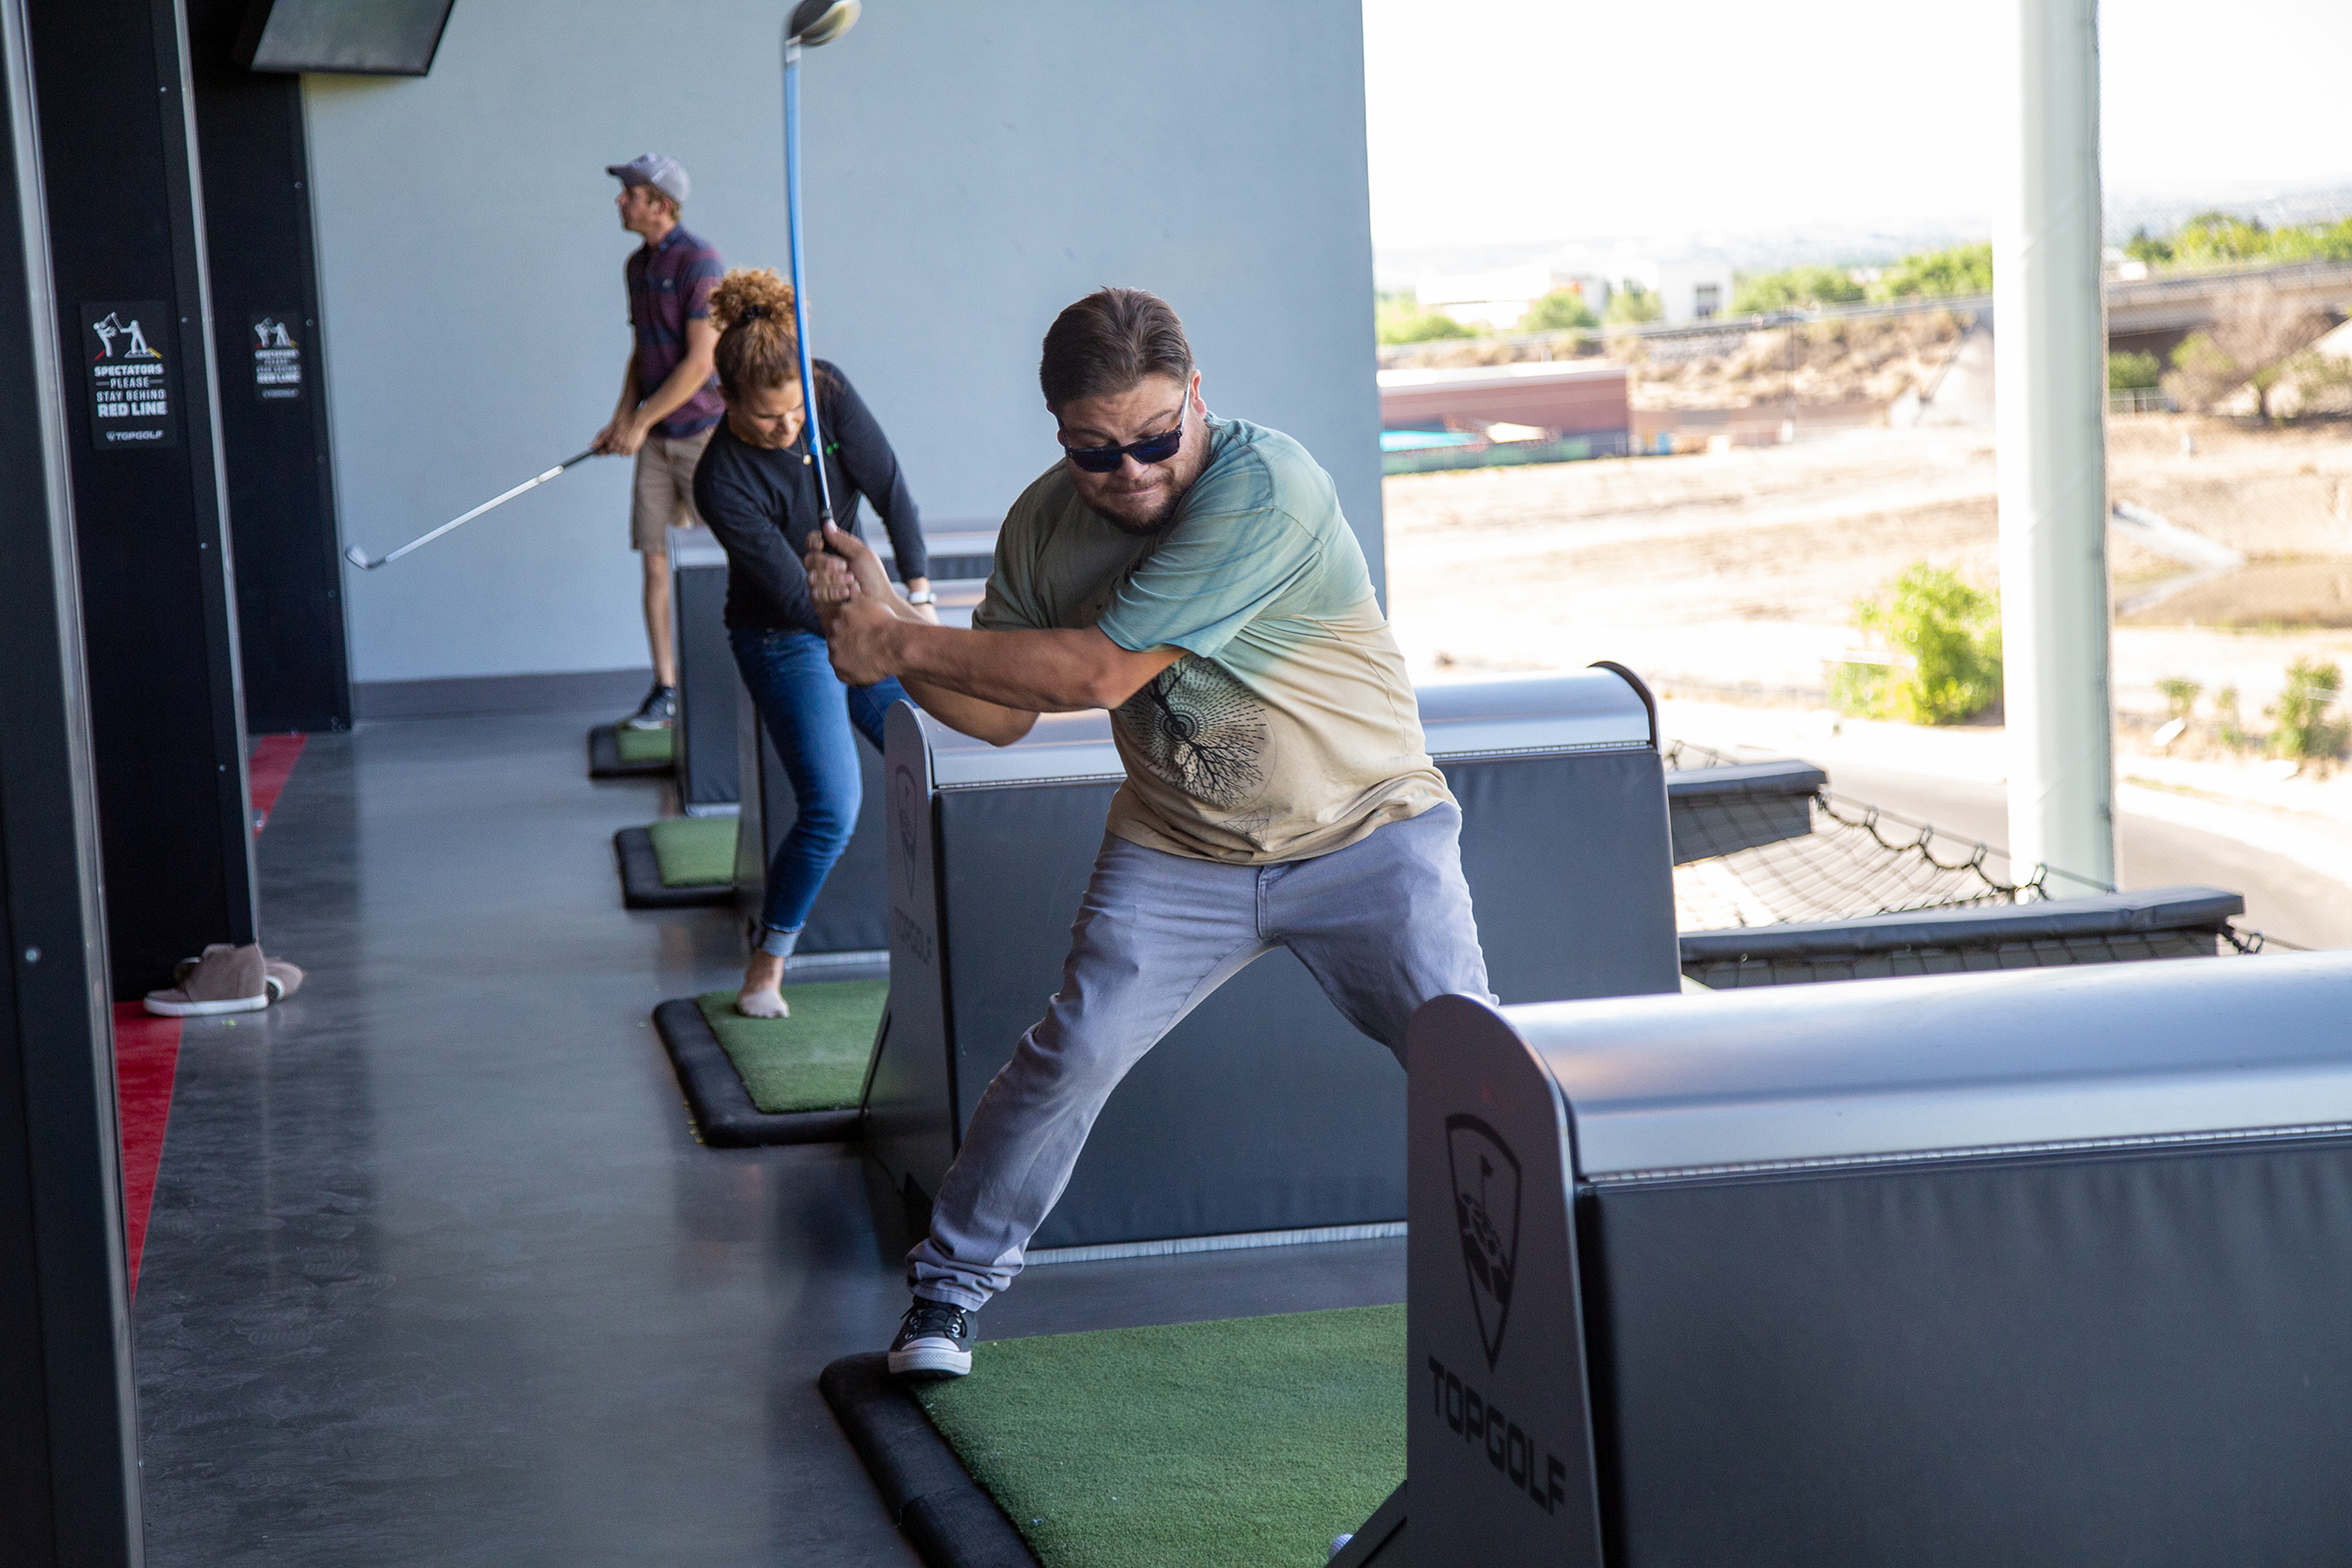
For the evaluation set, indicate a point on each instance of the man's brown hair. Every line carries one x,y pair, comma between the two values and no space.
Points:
1109,342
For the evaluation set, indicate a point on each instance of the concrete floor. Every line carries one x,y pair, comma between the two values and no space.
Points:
436,1271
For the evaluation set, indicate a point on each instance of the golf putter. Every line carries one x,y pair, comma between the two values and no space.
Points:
358,557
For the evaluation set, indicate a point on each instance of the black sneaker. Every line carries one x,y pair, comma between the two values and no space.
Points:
659,710
935,1340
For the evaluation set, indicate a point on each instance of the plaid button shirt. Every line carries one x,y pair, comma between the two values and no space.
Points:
669,285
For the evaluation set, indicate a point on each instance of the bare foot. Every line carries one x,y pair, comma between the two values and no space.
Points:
760,997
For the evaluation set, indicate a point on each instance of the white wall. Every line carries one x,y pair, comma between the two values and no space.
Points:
971,169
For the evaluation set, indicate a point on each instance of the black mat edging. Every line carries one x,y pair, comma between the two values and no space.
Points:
604,758
722,1107
944,1513
641,878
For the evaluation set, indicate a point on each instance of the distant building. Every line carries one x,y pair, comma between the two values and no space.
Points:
1497,300
1567,398
1692,290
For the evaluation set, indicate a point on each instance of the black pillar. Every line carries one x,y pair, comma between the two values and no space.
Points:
68,1462
260,252
157,585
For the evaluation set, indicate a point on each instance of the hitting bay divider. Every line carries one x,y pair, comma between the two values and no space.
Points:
793,1080
1263,1110
1249,1443
616,751
851,911
2045,1266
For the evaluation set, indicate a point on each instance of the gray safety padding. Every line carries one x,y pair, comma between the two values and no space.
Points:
1263,1110
1720,810
2141,912
2038,1267
707,676
2105,928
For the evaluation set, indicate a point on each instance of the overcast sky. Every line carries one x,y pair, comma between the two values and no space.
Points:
1502,120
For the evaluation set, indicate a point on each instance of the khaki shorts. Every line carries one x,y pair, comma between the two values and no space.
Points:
665,489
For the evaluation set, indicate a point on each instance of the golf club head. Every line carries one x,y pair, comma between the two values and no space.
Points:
821,22
356,556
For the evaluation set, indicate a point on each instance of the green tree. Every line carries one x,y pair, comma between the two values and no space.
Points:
1948,635
1631,305
1399,317
2144,247
1793,288
2130,373
1935,274
1562,310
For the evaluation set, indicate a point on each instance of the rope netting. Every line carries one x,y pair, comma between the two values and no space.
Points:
1857,860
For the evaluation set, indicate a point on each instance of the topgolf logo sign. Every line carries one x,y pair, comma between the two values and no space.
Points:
1485,1211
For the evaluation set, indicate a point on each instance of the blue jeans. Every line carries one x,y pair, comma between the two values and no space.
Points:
809,713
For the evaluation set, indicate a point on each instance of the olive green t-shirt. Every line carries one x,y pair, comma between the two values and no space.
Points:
1289,729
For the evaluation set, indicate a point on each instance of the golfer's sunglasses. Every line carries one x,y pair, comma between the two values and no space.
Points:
1152,449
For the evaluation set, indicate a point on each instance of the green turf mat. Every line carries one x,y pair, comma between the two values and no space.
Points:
644,745
814,1059
694,851
1251,1442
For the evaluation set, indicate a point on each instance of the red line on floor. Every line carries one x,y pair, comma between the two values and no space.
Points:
146,1058
273,760
147,1047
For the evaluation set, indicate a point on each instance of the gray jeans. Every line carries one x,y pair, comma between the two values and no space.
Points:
1382,925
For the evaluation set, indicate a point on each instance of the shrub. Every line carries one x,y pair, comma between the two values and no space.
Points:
1403,318
1949,635
2180,695
2130,373
1631,304
1562,310
2233,725
1961,269
1793,288
2305,733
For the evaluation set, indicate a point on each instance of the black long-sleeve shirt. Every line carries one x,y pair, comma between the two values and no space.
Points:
761,502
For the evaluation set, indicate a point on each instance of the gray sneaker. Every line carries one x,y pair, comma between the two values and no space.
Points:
225,979
659,710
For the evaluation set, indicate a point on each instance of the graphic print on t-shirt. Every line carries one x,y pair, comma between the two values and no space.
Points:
1201,730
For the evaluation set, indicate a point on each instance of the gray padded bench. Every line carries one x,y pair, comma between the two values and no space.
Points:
1264,1112
2047,1267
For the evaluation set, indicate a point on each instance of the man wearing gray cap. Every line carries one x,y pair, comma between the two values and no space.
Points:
669,401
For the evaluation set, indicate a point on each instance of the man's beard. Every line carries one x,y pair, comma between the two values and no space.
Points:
1158,520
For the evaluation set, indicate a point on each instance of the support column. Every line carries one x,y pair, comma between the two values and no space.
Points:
69,1422
158,592
2050,392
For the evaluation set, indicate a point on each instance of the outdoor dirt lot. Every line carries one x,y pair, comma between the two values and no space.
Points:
1737,570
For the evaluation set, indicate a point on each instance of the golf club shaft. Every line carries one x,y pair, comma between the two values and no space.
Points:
501,499
812,431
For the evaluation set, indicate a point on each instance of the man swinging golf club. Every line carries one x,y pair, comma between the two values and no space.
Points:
1195,576
669,401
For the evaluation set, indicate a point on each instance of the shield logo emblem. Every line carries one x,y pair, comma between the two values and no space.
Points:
1485,1211
906,796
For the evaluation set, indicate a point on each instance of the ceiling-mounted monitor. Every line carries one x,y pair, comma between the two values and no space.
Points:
356,37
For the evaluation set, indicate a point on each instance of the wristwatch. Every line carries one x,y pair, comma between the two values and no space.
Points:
926,597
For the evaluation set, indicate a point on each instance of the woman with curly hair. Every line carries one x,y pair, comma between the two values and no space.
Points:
756,488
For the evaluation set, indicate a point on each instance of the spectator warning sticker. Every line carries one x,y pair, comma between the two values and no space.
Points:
129,350
276,360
